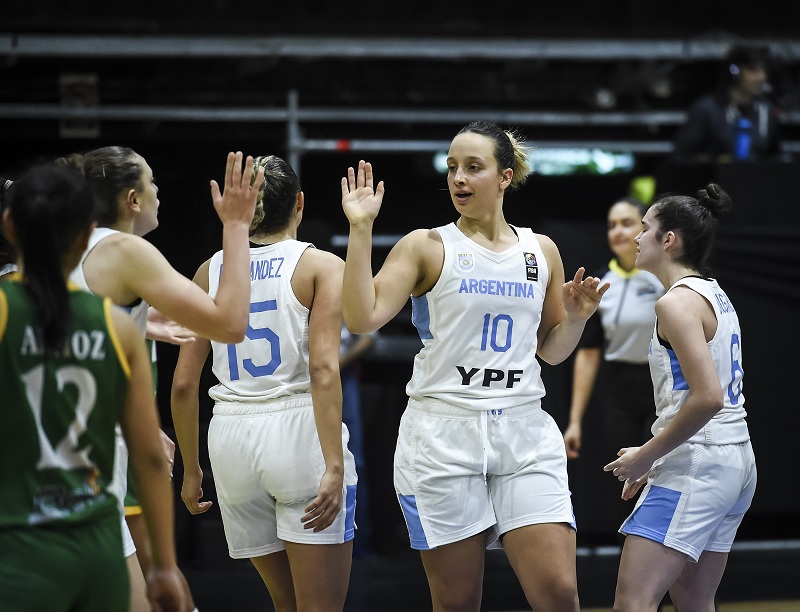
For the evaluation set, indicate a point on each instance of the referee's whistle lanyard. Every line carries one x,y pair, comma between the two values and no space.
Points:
484,425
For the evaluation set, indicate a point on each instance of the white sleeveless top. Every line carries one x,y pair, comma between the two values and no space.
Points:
478,325
139,309
670,388
272,360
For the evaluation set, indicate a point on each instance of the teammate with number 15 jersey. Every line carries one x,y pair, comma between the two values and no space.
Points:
285,480
267,365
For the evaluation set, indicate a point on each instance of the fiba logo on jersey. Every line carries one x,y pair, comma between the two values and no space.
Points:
466,261
531,267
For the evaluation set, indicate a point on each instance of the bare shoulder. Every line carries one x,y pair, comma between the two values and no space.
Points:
426,235
426,248
124,246
677,299
321,261
680,306
317,271
548,246
422,242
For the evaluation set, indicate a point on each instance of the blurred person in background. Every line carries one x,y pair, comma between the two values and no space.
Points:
737,122
618,335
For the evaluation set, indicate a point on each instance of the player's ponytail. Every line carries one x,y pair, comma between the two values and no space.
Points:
49,207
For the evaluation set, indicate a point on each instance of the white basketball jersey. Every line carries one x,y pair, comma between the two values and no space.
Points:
139,309
272,360
669,384
478,325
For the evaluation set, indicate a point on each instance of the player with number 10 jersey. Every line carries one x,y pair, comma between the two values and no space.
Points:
478,325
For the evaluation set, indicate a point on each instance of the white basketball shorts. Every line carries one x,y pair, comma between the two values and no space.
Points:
695,498
267,464
458,472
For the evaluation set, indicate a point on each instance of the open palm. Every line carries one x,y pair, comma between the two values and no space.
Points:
361,200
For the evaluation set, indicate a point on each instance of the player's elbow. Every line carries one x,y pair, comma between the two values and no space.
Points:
358,325
713,405
182,390
324,374
551,357
232,331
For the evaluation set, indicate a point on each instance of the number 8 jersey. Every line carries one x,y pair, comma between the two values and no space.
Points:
272,360
670,388
479,324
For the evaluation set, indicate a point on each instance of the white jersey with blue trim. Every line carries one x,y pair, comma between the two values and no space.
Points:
138,310
272,360
670,388
479,324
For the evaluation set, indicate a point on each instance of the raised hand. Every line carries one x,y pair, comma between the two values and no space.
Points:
582,295
238,201
361,200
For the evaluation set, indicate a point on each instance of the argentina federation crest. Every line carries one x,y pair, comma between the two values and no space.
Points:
531,267
466,261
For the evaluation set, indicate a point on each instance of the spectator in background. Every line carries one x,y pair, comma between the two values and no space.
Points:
737,122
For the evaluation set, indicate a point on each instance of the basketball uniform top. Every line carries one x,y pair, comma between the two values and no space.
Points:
272,361
478,324
59,412
623,322
670,388
138,309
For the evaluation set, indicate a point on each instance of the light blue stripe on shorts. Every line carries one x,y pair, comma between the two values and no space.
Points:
350,513
408,504
654,515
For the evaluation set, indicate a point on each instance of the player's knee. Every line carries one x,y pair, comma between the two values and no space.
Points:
458,600
561,595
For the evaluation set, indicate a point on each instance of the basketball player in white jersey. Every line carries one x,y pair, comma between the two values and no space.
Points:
477,458
699,465
123,266
285,481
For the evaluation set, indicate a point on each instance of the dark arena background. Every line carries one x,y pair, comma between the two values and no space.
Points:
599,88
